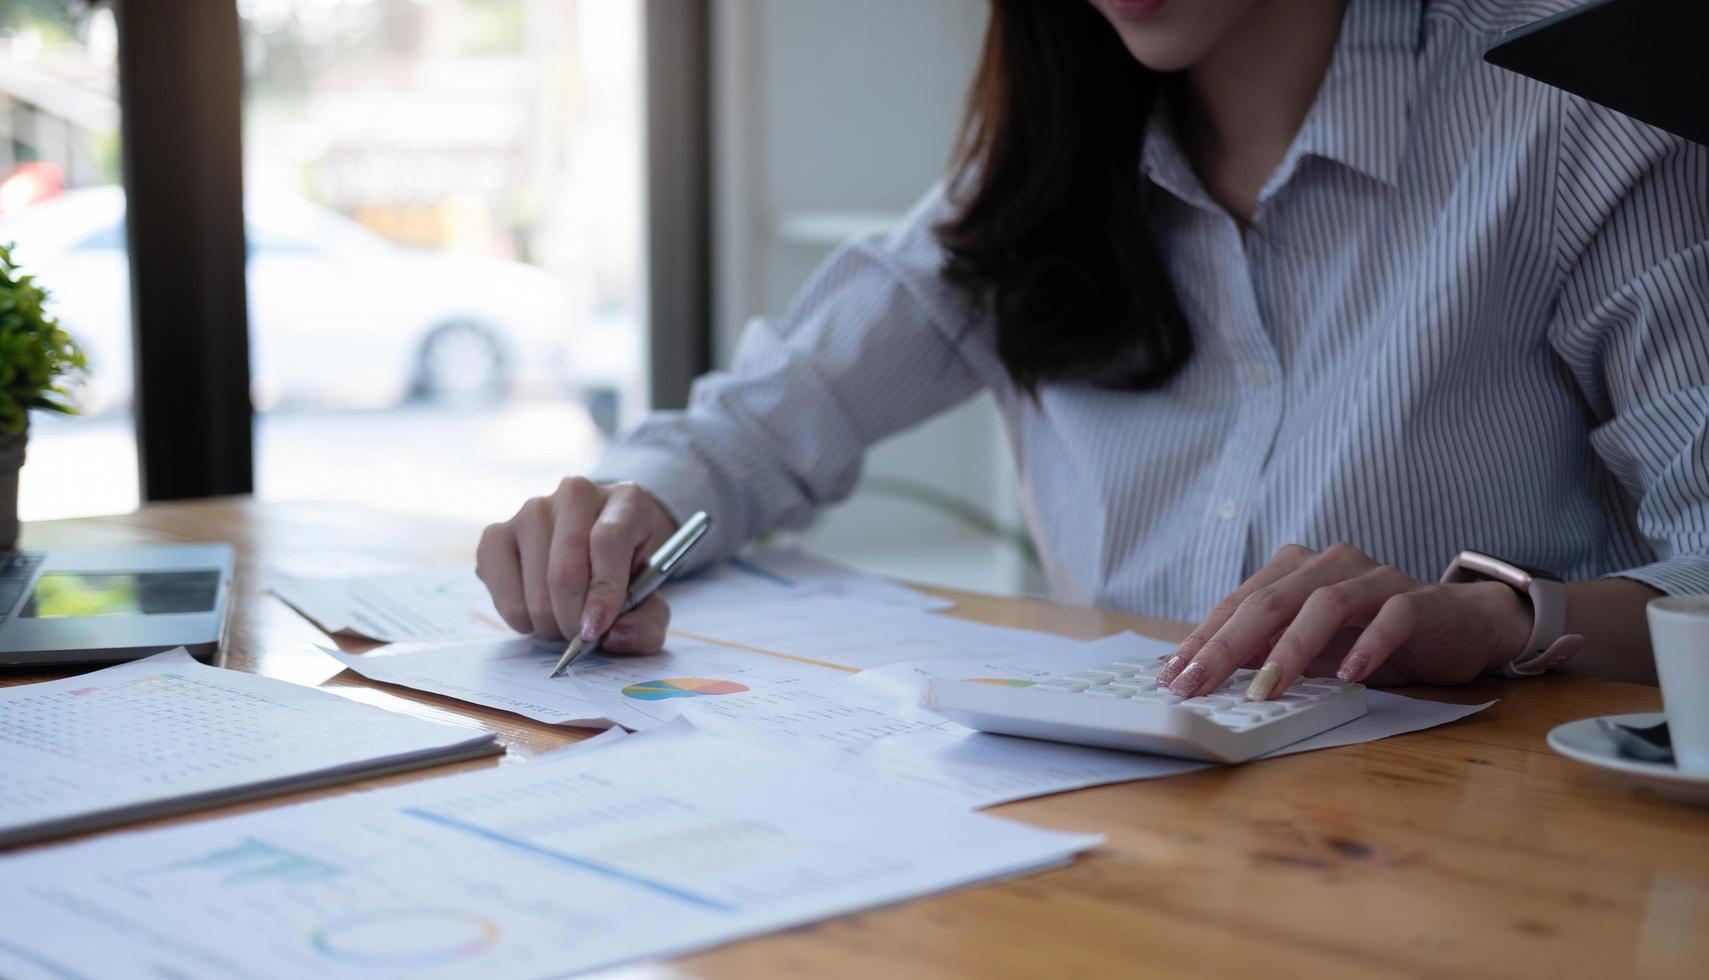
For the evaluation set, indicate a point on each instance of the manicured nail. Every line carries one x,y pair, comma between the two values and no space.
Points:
1353,667
1173,667
620,638
1189,680
591,626
1264,682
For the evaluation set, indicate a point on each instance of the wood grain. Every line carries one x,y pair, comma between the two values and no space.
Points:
1468,851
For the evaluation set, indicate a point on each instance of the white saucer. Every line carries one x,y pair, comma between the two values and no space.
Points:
1584,741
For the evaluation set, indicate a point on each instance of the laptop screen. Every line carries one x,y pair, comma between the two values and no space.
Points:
61,595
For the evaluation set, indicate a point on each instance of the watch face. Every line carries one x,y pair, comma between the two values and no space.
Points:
1480,564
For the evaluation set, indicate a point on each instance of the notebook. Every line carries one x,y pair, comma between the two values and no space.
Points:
168,734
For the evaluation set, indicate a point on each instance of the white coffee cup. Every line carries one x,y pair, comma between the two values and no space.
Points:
1679,634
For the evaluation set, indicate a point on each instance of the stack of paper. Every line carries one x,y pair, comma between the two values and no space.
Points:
168,733
439,604
657,845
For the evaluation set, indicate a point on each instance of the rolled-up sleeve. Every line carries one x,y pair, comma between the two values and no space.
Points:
872,345
1633,327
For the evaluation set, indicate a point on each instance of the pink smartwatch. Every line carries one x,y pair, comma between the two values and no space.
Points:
1550,644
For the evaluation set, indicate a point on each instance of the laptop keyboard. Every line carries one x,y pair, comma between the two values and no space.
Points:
16,570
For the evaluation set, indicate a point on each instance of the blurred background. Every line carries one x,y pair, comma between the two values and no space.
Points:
446,209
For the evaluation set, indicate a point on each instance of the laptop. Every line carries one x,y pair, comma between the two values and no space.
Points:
109,604
1645,58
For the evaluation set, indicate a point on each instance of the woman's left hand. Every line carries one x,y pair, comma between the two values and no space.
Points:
1341,612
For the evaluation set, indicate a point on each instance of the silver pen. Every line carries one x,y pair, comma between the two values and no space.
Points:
659,568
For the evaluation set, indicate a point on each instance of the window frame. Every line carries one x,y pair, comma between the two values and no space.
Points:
181,105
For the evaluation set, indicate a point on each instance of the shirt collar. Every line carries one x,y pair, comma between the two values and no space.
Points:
1358,119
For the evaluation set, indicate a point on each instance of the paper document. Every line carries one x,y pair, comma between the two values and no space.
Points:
168,733
859,635
507,674
785,573
439,604
641,692
874,718
660,844
635,691
452,604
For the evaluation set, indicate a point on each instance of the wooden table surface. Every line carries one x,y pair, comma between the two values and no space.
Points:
1471,850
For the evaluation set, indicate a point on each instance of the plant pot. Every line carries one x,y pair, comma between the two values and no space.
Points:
11,461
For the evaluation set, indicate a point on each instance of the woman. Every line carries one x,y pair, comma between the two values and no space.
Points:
1285,303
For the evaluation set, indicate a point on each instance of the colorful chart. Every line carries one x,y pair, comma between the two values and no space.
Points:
407,937
681,687
1001,681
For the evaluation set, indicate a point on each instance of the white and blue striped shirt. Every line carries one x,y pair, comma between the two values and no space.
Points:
1471,312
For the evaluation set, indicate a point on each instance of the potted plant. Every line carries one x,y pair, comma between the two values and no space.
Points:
38,362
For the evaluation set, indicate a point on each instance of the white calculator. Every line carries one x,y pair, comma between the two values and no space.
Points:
1121,706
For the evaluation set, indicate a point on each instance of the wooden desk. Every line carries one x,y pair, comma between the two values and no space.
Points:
1470,850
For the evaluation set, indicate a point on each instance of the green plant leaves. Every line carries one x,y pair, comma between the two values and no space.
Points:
39,362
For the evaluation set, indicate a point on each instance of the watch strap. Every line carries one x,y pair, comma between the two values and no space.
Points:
1549,645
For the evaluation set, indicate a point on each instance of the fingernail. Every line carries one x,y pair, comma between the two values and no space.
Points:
1353,667
1172,668
1264,682
1189,680
620,638
591,626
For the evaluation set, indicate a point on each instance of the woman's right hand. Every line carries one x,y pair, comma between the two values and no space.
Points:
561,566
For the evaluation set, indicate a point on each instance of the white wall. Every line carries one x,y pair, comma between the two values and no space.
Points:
831,119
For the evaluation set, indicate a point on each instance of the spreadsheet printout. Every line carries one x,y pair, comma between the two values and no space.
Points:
169,727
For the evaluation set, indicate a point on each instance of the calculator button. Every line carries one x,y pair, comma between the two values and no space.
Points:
1159,696
1216,702
1142,666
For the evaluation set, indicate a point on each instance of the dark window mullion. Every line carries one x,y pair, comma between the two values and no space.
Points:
679,198
181,100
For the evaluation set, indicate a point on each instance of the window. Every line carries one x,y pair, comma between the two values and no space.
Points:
444,202
62,206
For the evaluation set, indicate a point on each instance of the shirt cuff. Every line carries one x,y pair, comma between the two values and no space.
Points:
1685,575
680,485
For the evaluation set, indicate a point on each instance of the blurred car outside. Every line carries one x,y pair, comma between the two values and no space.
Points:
340,317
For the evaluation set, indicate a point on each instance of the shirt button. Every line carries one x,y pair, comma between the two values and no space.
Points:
1226,511
1259,376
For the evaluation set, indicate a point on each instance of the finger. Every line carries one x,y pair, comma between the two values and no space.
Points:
614,545
499,566
575,506
533,524
1326,612
642,629
1261,618
1285,562
1399,620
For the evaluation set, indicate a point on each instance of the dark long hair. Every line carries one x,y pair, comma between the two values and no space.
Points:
1050,228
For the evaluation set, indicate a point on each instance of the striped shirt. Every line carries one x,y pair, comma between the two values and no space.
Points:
1471,311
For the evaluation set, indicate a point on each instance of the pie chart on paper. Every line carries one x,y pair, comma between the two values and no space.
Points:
681,687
